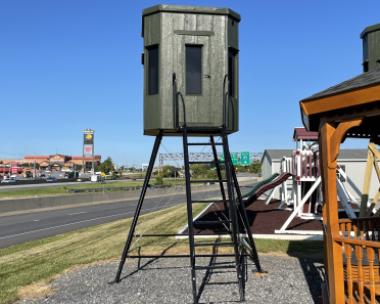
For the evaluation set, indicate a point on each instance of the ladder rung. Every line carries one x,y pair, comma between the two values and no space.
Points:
207,201
211,222
214,267
208,181
213,244
203,144
207,162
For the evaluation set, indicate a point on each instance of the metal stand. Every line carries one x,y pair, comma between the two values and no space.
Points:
234,218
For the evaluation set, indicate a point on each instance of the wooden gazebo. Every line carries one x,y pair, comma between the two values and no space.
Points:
352,247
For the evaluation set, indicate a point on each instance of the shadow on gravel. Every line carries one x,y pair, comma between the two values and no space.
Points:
311,261
141,267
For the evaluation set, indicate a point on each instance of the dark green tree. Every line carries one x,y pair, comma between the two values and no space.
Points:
106,166
168,171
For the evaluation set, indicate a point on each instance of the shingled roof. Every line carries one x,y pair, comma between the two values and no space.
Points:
360,81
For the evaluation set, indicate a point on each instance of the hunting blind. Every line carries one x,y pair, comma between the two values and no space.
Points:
191,89
371,49
193,51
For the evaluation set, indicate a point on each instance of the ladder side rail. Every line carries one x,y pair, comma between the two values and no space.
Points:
189,213
244,218
233,215
219,173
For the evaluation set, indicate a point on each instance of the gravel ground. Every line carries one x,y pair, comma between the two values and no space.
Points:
288,280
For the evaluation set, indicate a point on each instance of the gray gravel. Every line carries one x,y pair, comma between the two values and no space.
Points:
288,280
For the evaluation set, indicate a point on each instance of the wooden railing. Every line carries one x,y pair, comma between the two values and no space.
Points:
367,228
360,243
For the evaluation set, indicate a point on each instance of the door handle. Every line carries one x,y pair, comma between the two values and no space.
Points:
206,76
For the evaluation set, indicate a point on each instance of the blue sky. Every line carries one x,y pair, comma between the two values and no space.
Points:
75,64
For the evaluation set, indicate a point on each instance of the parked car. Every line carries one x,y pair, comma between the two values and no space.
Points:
8,181
51,179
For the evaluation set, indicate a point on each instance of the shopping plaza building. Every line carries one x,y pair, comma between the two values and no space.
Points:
55,162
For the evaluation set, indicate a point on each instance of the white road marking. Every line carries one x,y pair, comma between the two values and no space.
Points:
36,220
69,224
75,213
63,225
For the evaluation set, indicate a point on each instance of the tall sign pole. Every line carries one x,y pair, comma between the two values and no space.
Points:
88,148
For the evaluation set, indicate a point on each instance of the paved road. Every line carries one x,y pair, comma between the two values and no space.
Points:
7,187
30,226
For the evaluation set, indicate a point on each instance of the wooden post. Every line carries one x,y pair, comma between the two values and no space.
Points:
333,259
372,163
330,140
366,183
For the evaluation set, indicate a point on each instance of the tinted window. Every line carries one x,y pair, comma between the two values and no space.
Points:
153,70
193,69
232,71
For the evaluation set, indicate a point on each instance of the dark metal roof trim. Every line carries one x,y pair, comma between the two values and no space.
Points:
191,9
369,29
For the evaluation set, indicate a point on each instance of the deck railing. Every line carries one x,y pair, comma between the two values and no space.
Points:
360,242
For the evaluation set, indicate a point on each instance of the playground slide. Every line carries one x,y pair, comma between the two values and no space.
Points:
263,186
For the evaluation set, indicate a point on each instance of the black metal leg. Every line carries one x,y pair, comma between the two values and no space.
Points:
245,222
189,215
139,205
233,216
218,170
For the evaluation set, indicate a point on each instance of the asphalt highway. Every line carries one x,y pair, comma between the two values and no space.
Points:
31,226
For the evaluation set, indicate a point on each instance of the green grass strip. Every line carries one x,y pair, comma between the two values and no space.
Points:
41,260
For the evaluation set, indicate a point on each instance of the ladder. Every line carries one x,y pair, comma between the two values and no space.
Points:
234,219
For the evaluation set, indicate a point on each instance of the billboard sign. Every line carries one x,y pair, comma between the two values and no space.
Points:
88,142
88,150
88,138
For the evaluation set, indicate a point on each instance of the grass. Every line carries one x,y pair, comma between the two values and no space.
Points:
39,261
63,190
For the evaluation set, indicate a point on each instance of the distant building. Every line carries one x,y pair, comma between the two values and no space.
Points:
55,162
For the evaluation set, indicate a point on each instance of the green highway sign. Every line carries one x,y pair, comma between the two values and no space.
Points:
244,158
239,158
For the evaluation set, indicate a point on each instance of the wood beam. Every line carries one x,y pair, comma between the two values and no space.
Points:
372,163
333,260
330,140
366,184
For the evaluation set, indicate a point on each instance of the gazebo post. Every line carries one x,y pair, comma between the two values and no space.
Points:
367,182
333,260
330,140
